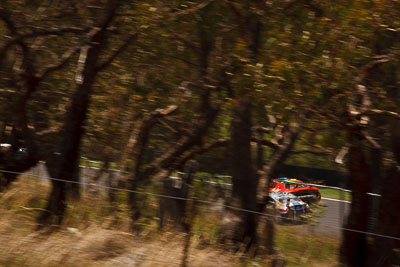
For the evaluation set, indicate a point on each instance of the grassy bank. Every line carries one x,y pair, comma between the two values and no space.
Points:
335,194
302,248
97,233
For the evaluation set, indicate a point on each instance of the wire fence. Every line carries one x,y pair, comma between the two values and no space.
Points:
211,203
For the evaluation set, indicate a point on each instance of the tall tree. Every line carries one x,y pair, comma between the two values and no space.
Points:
26,77
238,226
65,167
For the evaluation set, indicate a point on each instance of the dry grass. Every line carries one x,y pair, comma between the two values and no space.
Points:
101,247
93,235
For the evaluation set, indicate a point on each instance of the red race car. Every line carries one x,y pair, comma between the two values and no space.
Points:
296,187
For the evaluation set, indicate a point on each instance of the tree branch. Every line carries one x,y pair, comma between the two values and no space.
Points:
380,112
186,42
277,159
327,115
240,17
262,129
169,127
222,142
138,137
59,65
265,142
142,135
5,16
118,51
342,153
362,73
183,60
371,140
318,153
171,157
279,156
19,39
192,9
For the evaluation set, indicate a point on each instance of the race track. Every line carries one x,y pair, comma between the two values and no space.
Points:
334,214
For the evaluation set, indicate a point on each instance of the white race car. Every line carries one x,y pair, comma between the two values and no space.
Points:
288,205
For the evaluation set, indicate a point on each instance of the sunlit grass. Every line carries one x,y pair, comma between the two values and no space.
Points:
302,248
335,194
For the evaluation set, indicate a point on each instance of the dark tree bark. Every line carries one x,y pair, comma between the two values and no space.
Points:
353,247
385,251
22,133
27,83
175,210
139,142
258,132
67,165
239,227
268,172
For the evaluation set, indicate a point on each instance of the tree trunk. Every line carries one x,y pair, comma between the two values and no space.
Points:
138,141
353,247
67,167
22,136
267,222
27,83
266,175
69,152
385,251
239,227
176,209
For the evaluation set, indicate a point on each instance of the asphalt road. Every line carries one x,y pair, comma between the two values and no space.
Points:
334,214
329,223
